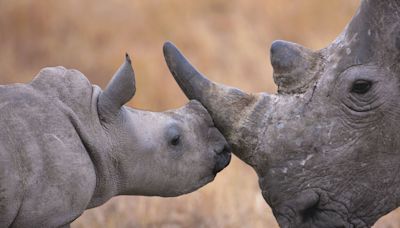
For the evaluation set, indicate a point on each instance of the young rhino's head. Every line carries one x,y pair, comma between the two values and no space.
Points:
159,153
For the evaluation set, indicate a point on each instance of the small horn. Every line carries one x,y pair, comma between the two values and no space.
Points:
294,66
119,90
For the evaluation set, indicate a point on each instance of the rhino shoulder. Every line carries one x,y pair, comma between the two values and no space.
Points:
63,83
68,86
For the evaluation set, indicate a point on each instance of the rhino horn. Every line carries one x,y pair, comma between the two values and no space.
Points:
119,90
294,66
226,105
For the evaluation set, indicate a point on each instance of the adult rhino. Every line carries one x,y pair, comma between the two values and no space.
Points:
326,148
66,145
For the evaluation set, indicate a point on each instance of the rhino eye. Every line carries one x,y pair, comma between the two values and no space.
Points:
361,86
175,140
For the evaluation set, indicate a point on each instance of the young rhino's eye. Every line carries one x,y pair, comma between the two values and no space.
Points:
175,140
173,135
361,86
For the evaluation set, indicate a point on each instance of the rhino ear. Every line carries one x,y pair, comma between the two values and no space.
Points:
119,90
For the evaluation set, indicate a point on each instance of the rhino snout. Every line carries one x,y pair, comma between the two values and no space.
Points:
223,157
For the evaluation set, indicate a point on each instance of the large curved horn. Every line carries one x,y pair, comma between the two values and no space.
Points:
228,106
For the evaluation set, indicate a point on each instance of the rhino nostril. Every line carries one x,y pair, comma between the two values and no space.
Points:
226,149
222,160
310,212
306,205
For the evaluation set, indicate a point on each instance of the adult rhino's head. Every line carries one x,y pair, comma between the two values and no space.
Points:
326,148
159,153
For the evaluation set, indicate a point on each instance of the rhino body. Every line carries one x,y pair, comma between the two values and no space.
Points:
44,161
326,148
66,145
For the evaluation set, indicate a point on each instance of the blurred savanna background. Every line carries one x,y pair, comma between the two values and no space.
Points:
228,40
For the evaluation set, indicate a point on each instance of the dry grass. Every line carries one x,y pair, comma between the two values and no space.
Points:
228,40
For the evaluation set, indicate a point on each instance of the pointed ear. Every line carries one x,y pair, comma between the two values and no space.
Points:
119,90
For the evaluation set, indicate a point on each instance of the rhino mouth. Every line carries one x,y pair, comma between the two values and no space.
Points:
314,208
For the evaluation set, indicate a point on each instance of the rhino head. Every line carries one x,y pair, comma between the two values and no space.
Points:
326,147
158,153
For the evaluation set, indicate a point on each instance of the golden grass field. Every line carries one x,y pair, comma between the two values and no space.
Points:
227,40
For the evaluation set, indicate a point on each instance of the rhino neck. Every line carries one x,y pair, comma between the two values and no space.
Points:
99,146
77,97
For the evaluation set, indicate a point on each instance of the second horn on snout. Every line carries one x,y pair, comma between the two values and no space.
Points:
294,66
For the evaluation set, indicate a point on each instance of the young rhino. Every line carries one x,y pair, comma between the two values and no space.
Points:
66,146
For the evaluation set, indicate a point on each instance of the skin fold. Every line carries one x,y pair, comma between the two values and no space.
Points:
326,146
66,146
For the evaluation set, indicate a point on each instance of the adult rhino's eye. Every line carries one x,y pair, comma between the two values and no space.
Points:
175,140
361,86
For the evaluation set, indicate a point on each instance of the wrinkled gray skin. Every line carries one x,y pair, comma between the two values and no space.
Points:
326,148
66,146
